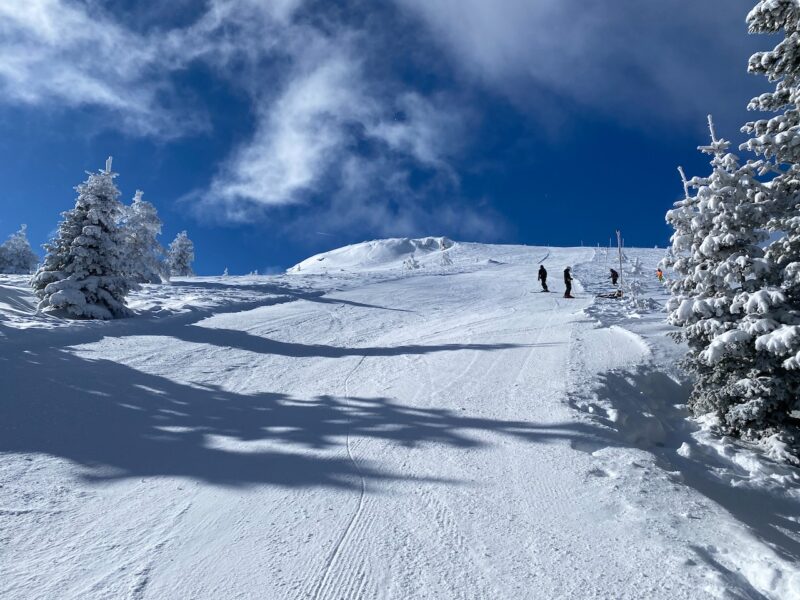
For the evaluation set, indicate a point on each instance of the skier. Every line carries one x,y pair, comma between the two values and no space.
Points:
543,278
614,277
568,283
660,275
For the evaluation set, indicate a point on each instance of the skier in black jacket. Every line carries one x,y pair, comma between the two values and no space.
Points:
543,278
568,283
614,277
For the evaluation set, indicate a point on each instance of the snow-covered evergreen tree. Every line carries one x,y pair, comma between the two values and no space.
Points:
776,140
723,297
143,254
181,256
83,274
16,254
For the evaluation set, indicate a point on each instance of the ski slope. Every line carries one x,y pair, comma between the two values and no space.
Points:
362,428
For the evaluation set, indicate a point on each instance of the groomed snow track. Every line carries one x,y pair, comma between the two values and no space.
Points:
380,434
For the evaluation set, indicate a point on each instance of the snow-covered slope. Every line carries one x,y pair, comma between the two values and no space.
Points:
377,255
438,431
431,254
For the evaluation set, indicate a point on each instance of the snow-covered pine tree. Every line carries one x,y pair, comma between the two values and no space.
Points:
181,256
776,140
635,298
143,254
722,297
83,272
635,294
16,255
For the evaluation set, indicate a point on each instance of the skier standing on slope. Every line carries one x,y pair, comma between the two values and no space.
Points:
614,277
568,283
543,278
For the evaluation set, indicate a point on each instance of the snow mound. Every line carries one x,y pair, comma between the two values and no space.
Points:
376,255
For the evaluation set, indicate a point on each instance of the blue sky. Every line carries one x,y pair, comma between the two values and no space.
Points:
275,130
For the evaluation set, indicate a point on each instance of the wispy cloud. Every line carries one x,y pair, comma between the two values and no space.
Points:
424,128
330,131
57,54
298,136
376,199
661,59
308,142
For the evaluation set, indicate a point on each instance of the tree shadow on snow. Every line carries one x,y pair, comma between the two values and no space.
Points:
234,338
174,323
117,422
739,582
266,287
324,299
281,289
651,415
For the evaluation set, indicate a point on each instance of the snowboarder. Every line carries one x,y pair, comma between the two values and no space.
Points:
660,275
543,278
614,277
568,283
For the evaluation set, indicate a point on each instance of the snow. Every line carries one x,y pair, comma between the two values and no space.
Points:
378,432
377,255
724,344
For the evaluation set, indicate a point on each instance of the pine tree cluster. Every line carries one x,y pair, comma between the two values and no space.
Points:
736,256
102,251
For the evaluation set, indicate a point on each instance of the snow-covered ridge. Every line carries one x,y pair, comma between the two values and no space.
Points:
375,255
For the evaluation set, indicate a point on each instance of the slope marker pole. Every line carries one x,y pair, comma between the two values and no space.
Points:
619,247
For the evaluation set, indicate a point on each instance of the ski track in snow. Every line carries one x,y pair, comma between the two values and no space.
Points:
235,441
322,588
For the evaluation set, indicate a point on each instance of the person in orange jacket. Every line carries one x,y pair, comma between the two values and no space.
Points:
660,275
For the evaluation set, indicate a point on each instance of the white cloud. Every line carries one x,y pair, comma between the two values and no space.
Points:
666,59
314,103
55,52
304,138
426,130
361,206
297,136
68,54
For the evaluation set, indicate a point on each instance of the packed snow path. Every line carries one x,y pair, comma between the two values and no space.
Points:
403,438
